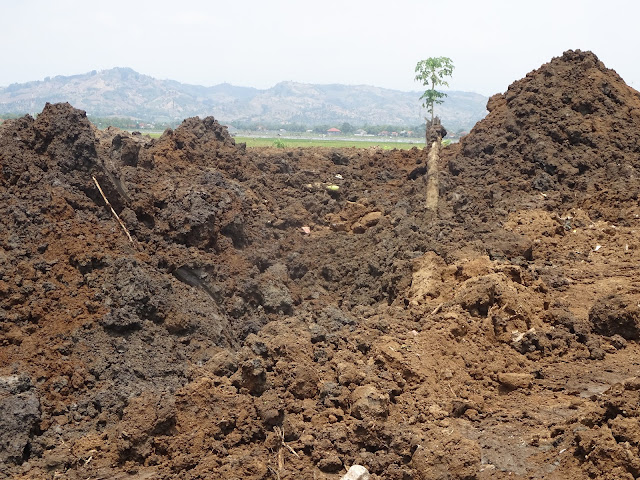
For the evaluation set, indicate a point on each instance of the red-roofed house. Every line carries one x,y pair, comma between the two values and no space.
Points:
333,131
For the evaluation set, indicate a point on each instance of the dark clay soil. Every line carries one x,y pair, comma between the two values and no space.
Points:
263,324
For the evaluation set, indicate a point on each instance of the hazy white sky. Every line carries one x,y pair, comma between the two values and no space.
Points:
260,43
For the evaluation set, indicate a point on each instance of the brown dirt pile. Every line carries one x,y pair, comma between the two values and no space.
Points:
498,340
566,134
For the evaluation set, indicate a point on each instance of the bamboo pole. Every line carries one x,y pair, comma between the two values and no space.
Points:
112,210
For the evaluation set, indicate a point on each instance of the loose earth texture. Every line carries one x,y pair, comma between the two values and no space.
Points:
286,314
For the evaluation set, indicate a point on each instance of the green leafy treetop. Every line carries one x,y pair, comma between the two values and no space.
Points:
431,73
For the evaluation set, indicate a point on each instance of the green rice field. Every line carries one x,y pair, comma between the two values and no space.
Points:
331,143
383,143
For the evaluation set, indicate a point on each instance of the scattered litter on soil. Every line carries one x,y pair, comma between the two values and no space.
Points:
291,313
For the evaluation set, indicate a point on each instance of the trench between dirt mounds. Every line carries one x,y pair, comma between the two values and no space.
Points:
288,313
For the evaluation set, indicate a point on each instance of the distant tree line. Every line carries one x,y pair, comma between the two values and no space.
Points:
7,116
345,127
125,123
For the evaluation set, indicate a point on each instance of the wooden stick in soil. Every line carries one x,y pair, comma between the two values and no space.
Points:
112,210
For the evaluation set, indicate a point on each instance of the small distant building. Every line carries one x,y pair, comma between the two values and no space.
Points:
333,131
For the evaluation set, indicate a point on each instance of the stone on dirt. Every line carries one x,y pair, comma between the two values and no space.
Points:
356,472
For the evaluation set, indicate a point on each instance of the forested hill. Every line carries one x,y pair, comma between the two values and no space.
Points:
124,92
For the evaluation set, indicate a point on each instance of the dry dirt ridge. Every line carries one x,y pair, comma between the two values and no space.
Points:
285,314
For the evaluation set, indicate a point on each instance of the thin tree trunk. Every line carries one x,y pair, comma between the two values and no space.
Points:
433,103
432,177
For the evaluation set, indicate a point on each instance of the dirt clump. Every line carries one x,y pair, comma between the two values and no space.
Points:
262,325
617,315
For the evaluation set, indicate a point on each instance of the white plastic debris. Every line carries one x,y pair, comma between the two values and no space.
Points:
356,472
598,247
339,177
306,230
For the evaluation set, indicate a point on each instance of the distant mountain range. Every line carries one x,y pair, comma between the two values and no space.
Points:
123,92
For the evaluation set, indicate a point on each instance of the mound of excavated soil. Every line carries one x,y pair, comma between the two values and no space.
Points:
567,134
288,313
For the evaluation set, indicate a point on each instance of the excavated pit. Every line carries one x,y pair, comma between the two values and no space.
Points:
496,339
